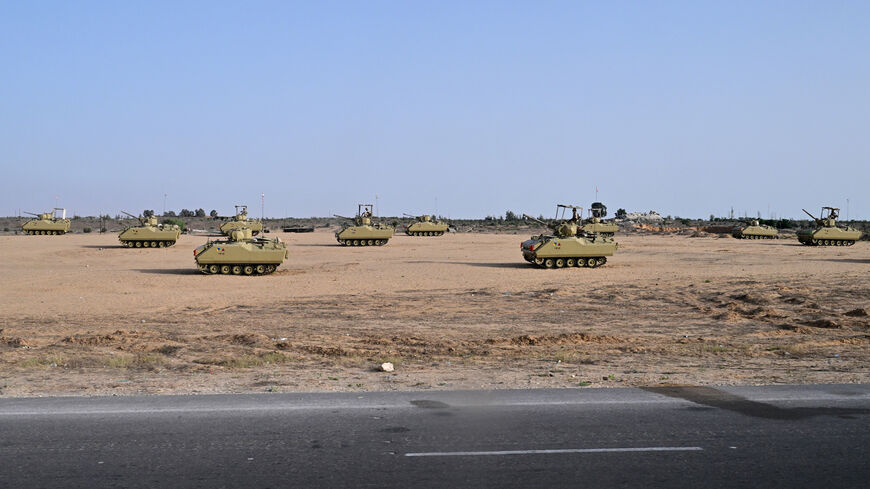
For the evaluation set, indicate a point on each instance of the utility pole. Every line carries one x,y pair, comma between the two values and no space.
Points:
164,203
376,204
263,206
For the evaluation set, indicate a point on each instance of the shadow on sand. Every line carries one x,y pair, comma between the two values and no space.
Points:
170,271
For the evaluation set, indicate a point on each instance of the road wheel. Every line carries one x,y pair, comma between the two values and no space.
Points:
237,270
138,244
591,262
371,242
549,263
270,268
560,263
261,269
214,269
249,270
356,242
161,244
570,262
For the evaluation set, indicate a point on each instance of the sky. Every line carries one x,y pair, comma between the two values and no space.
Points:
464,109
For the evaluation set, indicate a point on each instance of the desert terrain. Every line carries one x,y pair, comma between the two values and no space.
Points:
80,315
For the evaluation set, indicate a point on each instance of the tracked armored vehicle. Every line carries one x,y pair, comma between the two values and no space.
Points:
564,247
425,226
47,222
240,254
360,231
595,223
149,234
240,220
826,232
755,230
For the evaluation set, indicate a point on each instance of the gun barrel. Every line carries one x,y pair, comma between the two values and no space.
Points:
131,215
526,216
343,217
808,213
31,213
407,215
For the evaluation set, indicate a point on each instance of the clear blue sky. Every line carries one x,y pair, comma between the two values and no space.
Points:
688,108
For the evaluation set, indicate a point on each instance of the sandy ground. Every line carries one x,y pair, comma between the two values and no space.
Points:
79,315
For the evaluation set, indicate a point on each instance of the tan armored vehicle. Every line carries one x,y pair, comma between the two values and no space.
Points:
425,226
47,222
755,230
362,232
240,254
565,248
240,220
595,224
149,234
827,233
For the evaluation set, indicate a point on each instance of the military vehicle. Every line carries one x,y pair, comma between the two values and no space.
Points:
827,233
240,254
424,226
595,224
240,220
755,230
362,232
149,234
47,223
567,246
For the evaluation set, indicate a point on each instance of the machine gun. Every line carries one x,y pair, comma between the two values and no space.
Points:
563,228
827,220
423,218
144,221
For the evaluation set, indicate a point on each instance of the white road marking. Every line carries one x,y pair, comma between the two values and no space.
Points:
558,450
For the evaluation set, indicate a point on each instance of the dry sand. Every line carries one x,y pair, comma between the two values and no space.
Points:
79,315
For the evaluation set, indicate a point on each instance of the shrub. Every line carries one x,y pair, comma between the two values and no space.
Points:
86,230
620,213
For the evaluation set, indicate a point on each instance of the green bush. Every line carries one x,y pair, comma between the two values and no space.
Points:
86,230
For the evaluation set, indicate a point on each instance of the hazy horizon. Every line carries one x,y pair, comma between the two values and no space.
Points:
464,109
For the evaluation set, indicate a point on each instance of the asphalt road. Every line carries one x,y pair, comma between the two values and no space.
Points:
779,436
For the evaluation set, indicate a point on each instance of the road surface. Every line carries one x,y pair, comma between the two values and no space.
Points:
777,436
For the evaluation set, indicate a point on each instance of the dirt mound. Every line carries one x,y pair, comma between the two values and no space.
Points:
822,323
563,339
754,298
14,342
116,338
856,313
246,339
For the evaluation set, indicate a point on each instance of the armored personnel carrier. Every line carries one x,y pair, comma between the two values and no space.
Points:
595,224
755,230
362,232
149,234
425,226
240,220
567,246
47,222
826,232
240,254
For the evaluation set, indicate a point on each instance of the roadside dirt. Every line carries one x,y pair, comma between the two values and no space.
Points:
79,315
